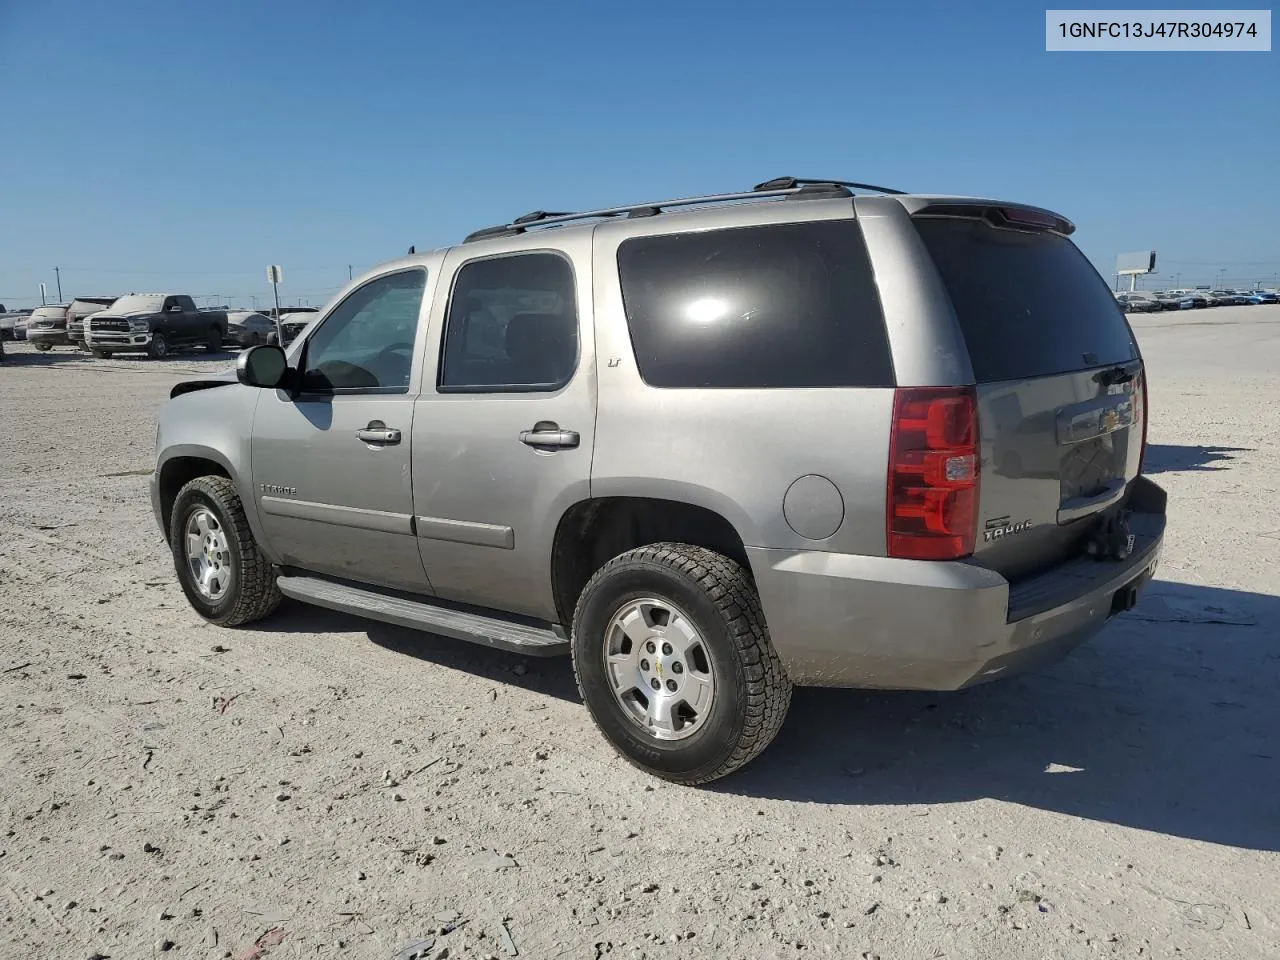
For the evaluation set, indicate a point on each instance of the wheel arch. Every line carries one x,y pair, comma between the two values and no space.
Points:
593,531
182,464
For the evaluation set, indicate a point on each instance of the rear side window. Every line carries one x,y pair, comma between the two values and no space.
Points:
1029,304
512,326
782,305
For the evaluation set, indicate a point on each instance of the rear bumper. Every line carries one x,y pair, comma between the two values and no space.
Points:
842,620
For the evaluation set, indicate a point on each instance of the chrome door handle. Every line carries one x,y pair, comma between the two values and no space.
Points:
378,432
548,435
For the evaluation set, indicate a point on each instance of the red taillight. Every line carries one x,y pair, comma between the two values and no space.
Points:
932,505
1141,397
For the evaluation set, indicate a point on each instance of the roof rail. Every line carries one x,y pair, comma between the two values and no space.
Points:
778,188
782,183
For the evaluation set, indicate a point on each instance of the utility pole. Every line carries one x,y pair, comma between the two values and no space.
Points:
348,273
275,275
58,273
43,301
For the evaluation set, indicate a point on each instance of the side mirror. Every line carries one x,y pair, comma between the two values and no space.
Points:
262,366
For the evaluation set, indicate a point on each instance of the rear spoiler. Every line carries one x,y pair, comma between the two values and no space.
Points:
1011,216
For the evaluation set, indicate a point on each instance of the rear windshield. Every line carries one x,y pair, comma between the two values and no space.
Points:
1030,304
783,305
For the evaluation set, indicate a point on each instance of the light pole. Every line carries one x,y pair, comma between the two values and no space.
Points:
58,273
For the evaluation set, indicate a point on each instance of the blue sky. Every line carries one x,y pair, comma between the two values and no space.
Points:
182,146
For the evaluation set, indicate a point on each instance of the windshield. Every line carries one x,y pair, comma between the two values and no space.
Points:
42,312
137,303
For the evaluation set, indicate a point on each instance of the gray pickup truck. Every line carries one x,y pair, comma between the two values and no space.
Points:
814,433
155,324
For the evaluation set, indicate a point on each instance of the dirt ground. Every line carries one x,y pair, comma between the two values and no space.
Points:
323,786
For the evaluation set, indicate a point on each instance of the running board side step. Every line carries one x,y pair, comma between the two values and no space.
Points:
534,641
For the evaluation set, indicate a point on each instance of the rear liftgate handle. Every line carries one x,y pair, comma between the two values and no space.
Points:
547,435
379,433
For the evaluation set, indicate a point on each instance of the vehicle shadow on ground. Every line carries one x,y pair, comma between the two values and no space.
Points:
177,356
1166,722
24,358
542,675
1170,458
44,358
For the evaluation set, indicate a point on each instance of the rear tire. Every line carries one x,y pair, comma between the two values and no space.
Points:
726,692
226,578
213,343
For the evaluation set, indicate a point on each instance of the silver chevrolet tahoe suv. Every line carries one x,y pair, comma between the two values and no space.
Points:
815,433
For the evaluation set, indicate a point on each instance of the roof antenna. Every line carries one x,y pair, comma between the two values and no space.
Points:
411,251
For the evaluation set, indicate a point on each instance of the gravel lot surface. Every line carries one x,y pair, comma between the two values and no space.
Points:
321,786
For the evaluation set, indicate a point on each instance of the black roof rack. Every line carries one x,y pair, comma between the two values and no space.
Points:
783,183
779,188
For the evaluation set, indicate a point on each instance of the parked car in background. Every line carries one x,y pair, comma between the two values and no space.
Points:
294,323
1263,296
7,323
1197,297
47,327
80,308
271,311
1138,303
1173,301
154,324
247,328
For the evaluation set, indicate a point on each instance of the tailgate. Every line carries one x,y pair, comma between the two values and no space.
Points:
1059,383
1056,451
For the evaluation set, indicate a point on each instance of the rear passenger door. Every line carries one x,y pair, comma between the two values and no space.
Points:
503,436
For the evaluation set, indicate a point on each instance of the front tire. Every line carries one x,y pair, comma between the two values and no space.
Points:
100,354
226,578
688,620
158,348
43,347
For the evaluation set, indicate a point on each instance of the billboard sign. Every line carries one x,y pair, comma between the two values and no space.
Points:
1134,263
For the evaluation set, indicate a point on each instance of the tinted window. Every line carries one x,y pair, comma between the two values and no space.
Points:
791,305
1030,304
512,325
366,343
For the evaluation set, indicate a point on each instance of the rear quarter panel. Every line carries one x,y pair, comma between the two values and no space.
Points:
734,451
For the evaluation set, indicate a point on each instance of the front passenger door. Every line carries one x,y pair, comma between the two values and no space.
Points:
331,462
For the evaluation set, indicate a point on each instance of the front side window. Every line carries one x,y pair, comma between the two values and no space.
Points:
512,326
366,344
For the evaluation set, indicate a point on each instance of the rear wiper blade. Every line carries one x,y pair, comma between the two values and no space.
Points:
1115,375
